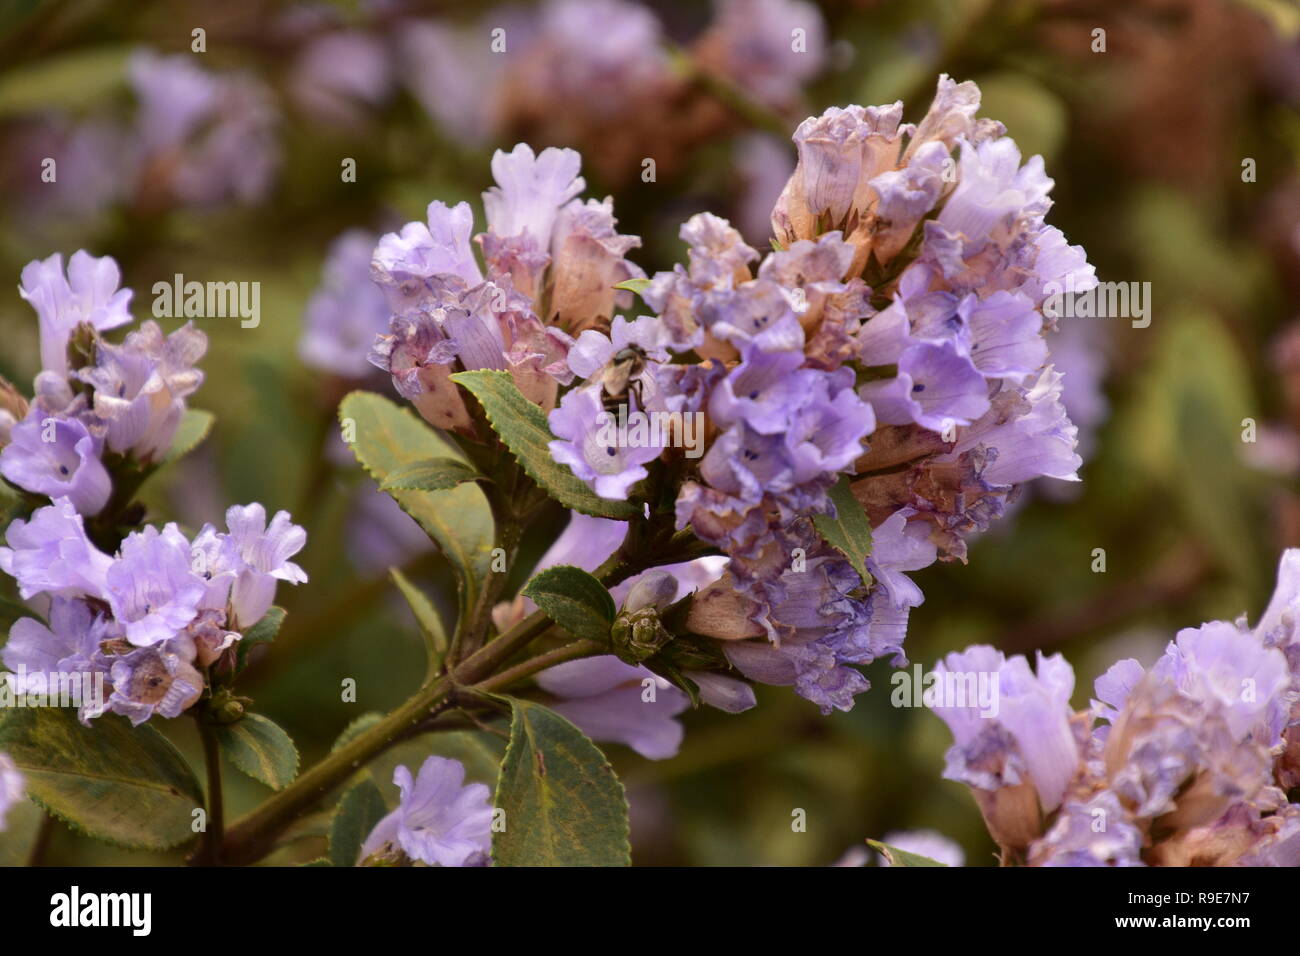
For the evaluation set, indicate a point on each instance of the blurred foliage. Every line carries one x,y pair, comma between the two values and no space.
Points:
1150,182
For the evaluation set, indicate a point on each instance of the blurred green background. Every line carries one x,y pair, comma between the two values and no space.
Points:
1146,142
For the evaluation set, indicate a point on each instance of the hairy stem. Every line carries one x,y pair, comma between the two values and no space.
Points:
533,665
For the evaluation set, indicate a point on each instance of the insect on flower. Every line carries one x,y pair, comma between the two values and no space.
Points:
622,377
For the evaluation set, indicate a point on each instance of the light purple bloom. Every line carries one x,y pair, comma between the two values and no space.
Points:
420,259
587,442
141,386
88,293
346,312
151,589
609,700
265,552
440,820
160,679
50,553
937,387
1096,831
530,191
37,654
59,458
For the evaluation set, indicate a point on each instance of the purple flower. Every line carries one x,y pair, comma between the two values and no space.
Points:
89,293
151,589
160,679
937,387
1094,831
408,265
39,655
346,312
439,820
50,553
141,386
589,443
12,789
751,41
1026,738
264,552
59,458
609,700
530,191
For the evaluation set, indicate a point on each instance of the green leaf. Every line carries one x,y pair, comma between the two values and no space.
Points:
849,532
522,426
22,828
634,285
260,748
195,426
263,632
897,857
575,600
114,782
360,808
563,804
459,519
431,629
433,474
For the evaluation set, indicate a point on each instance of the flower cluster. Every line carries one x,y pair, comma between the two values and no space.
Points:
551,262
148,617
894,338
97,407
1185,763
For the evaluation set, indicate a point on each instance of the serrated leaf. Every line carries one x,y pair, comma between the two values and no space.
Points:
22,827
575,600
260,748
195,426
459,519
360,809
897,857
563,804
849,532
114,782
263,632
432,474
426,616
522,426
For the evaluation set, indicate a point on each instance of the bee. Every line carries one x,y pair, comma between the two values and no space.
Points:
622,378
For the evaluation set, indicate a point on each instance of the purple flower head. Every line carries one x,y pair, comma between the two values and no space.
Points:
160,679
937,387
994,192
899,545
1006,338
151,589
59,458
439,820
530,191
141,386
346,312
88,293
1027,738
414,266
1096,831
12,788
265,552
610,700
50,553
588,441
589,260
1277,625
39,655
